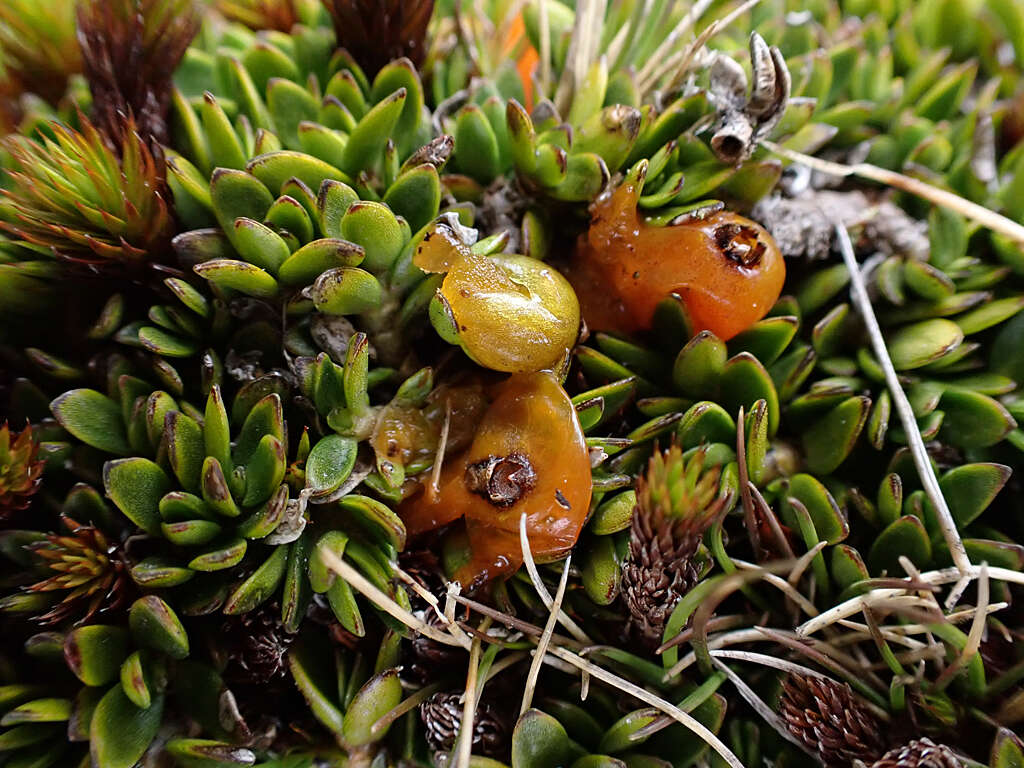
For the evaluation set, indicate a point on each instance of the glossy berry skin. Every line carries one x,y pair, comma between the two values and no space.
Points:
726,270
508,312
528,457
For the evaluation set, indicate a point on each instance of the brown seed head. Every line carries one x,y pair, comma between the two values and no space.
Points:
375,32
830,720
919,753
677,499
130,49
442,714
257,644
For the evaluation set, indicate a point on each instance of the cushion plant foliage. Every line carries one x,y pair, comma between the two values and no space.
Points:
544,384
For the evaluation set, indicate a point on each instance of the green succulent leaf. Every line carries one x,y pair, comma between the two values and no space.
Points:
93,418
154,624
94,653
120,732
136,486
539,741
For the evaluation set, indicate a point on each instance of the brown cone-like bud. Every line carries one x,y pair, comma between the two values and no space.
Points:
919,753
257,644
442,714
378,31
830,720
130,49
676,501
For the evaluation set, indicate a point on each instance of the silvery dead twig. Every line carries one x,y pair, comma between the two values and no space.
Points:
745,120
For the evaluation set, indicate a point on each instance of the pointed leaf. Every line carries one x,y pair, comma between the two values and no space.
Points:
136,487
120,732
376,698
94,653
93,418
155,625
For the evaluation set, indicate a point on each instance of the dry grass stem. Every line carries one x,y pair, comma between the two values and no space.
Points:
862,301
542,591
660,54
714,643
435,475
984,216
783,586
383,601
545,640
805,561
407,704
933,578
464,746
759,706
655,701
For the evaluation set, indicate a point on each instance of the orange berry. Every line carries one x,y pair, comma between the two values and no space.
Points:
528,457
726,270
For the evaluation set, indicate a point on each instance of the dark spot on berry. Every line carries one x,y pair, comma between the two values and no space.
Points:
739,243
502,480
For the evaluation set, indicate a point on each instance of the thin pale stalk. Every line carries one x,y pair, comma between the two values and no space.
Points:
545,49
719,641
464,748
697,46
512,622
655,701
758,705
406,705
804,562
435,475
545,640
429,598
685,25
922,461
943,576
901,630
974,636
879,599
858,632
987,218
362,585
542,591
783,586
766,660
716,624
